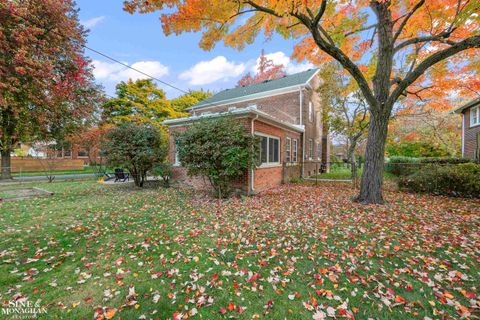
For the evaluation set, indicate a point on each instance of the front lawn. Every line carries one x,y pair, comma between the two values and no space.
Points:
86,169
298,252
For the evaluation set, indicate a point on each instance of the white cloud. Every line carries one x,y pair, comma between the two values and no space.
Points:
280,57
107,71
219,68
90,23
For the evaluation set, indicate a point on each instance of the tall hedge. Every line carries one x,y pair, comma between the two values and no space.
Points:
461,180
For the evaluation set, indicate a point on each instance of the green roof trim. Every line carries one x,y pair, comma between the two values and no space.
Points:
297,79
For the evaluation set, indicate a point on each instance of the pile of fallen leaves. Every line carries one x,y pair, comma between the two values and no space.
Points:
297,252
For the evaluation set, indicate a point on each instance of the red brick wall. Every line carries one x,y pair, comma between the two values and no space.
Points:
180,173
285,107
470,138
268,177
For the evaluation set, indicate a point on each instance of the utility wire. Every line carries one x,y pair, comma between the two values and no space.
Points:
106,56
139,71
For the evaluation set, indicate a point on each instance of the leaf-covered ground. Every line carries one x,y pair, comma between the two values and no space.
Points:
298,252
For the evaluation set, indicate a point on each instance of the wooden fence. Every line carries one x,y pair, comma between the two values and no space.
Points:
33,164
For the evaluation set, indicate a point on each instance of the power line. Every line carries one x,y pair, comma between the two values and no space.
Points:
107,56
139,71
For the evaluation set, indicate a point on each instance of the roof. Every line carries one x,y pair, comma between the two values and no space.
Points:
258,90
472,103
237,112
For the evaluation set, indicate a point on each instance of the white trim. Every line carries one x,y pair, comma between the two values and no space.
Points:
308,81
258,133
295,159
310,111
289,149
252,170
476,111
268,163
463,135
254,96
243,111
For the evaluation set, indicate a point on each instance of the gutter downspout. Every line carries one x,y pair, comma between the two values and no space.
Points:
303,135
252,170
463,134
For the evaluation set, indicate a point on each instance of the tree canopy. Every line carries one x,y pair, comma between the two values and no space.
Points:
265,70
46,83
139,102
189,99
393,49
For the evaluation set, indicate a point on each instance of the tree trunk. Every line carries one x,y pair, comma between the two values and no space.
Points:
372,177
6,163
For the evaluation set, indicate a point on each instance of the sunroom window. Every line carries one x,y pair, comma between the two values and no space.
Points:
269,150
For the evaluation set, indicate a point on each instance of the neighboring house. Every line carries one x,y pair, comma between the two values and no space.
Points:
470,129
68,151
285,113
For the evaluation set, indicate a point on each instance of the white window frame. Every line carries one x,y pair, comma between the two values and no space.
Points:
83,157
177,162
475,116
269,163
310,149
319,151
295,151
310,111
288,150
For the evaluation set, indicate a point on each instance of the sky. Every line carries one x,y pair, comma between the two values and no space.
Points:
138,41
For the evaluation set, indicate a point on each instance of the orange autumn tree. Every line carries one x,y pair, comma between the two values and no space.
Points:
266,70
396,51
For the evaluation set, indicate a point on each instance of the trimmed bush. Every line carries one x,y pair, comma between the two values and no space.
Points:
446,160
165,171
461,180
402,166
135,147
220,150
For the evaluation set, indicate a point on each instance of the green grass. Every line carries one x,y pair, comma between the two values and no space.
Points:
86,169
344,173
304,242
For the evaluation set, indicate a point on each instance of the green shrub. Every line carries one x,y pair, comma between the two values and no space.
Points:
446,160
461,180
165,171
219,149
135,147
402,166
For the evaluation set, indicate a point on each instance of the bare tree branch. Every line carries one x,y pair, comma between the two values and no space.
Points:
438,37
471,42
404,22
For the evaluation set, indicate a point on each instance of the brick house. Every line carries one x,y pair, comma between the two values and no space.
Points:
284,113
470,129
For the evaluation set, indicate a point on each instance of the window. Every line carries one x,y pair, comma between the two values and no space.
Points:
319,151
475,116
177,157
295,150
288,150
83,153
67,153
269,150
310,148
310,111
